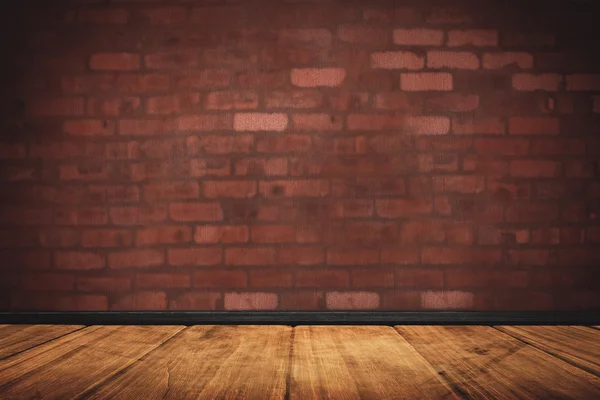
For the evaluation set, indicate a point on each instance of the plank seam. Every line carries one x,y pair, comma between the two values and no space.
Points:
97,385
42,343
549,352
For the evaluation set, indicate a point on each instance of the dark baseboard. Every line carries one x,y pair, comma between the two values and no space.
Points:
305,318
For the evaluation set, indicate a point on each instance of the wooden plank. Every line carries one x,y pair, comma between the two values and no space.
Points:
484,363
209,362
360,362
577,345
68,366
17,338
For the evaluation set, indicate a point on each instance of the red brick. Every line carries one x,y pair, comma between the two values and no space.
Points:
163,235
136,259
411,125
596,105
213,278
469,125
484,166
171,191
531,212
453,102
533,82
460,256
418,37
194,256
506,147
261,166
363,35
318,77
298,188
231,100
48,281
56,106
449,16
195,301
273,234
579,169
162,280
534,169
253,122
81,216
270,278
583,82
250,256
206,78
173,104
107,16
317,278
79,260
250,301
528,257
452,59
351,208
317,122
115,62
419,278
533,39
447,300
458,184
164,15
533,126
89,127
402,208
206,234
301,255
301,300
512,60
352,257
229,189
397,60
106,238
369,278
58,302
188,212
113,107
472,37
142,83
227,144
352,300
153,301
300,99
104,283
204,123
426,81
289,143
400,256
421,231
138,215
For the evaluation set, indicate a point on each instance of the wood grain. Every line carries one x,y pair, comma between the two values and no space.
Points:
17,338
483,363
70,365
359,362
209,362
577,345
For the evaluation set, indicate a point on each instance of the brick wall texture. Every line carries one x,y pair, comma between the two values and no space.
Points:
300,155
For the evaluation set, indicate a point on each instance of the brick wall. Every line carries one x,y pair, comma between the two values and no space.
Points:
300,155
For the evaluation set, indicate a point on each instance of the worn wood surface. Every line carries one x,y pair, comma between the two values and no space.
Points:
209,362
17,338
66,367
484,363
359,362
578,345
306,362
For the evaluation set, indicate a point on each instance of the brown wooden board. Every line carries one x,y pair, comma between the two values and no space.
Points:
359,362
17,338
209,362
68,366
484,363
577,345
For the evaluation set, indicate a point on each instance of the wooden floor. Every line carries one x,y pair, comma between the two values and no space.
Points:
301,363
